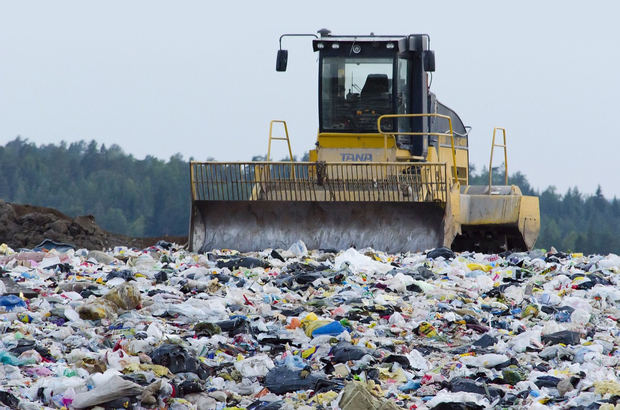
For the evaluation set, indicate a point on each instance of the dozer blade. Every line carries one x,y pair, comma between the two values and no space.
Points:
255,225
396,207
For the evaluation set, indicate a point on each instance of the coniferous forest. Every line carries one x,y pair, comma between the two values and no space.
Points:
150,196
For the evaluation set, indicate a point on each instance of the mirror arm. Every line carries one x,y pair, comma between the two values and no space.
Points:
296,35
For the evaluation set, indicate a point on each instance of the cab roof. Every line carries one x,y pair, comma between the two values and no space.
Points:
356,39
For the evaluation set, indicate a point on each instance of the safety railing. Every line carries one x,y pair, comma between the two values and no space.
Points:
319,181
393,134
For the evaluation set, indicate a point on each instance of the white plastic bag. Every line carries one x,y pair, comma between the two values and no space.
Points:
360,262
115,388
255,366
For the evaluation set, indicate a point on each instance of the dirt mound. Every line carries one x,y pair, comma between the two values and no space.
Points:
26,226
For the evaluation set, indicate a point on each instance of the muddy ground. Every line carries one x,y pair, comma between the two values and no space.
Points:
26,226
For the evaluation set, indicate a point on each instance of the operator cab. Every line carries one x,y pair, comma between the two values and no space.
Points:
356,83
364,77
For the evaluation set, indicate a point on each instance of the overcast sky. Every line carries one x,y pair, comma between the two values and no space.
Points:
197,77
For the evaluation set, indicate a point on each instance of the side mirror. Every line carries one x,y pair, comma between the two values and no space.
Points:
281,60
429,61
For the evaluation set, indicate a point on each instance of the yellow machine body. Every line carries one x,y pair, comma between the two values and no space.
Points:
390,169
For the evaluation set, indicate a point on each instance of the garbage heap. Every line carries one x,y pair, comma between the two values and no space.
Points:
282,329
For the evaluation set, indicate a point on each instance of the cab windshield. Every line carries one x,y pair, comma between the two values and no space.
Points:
355,91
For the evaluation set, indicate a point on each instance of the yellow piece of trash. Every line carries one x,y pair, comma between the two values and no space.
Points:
544,400
426,329
478,266
159,370
325,398
308,352
309,318
607,386
398,375
6,250
530,310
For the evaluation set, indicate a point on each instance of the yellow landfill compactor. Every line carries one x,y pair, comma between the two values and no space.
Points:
389,171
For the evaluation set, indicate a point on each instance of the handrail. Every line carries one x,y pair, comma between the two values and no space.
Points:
436,134
493,145
288,141
320,181
310,163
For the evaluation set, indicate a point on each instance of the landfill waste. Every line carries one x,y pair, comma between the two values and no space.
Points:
161,327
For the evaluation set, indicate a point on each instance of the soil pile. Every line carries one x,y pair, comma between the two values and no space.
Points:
26,226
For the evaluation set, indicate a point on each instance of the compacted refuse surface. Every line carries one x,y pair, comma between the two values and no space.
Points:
294,328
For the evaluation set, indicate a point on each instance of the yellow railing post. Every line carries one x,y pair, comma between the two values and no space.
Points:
192,178
453,151
288,141
505,146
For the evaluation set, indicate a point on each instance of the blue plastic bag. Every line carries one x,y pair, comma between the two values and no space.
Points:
10,302
332,329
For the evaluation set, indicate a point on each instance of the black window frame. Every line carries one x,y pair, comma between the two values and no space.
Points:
375,49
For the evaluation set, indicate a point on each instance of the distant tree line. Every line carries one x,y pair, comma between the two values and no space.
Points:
147,197
150,197
569,222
